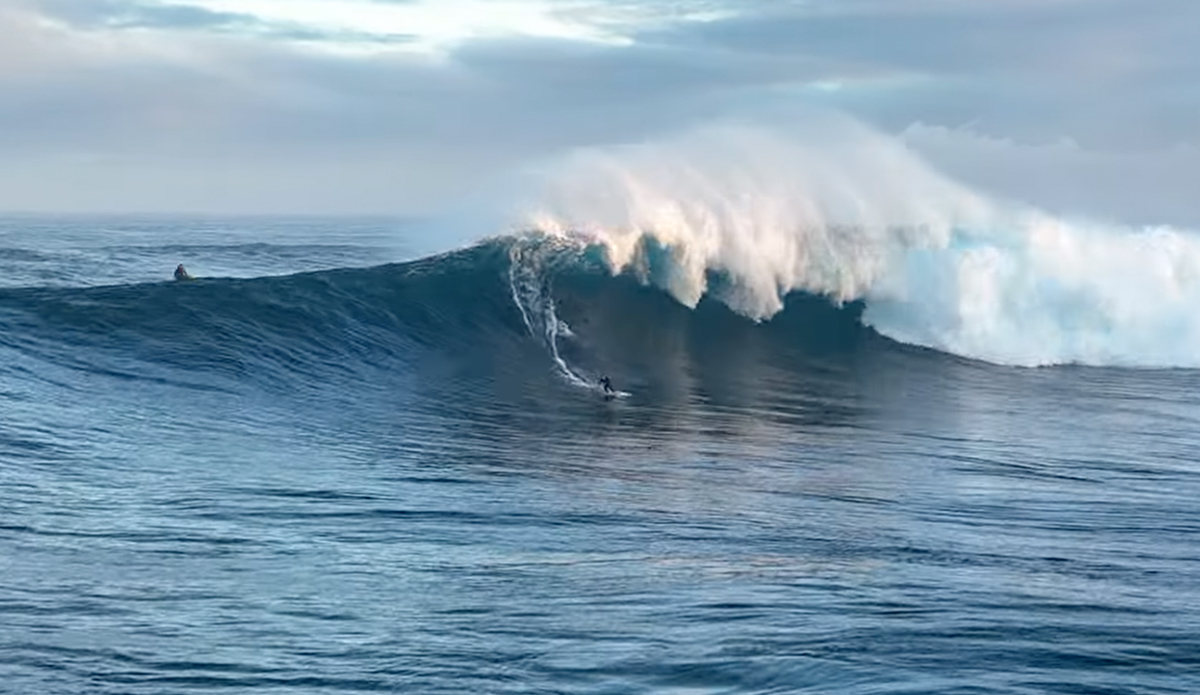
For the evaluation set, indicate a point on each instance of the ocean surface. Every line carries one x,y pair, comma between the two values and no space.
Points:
334,463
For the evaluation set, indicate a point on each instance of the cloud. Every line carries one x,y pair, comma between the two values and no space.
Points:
168,108
366,26
371,105
119,14
1149,186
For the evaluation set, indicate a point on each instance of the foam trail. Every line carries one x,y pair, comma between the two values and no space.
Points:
842,211
530,292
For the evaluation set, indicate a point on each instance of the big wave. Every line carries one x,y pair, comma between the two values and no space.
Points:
843,212
829,239
470,311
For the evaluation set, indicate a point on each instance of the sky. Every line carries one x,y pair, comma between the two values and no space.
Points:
412,106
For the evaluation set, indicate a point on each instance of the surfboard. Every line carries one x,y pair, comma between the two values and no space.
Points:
611,395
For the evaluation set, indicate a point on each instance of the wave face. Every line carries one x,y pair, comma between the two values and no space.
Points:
297,329
846,213
523,307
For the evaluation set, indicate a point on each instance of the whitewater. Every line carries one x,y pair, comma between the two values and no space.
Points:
840,211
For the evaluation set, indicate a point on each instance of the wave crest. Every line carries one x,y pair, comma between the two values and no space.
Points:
841,211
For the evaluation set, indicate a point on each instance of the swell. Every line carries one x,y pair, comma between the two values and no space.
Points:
308,325
529,303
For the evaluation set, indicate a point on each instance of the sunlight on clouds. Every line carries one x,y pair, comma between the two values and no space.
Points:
433,25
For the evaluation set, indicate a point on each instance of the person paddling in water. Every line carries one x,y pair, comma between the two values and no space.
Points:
181,273
606,385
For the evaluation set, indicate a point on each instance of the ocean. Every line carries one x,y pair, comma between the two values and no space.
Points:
337,462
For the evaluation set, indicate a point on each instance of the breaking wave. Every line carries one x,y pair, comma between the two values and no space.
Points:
493,311
633,261
852,215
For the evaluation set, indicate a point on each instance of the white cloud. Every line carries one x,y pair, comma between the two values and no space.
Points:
363,27
429,25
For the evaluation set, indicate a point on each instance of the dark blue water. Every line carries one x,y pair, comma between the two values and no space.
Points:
318,469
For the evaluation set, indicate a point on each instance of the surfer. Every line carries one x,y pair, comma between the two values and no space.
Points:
181,273
606,385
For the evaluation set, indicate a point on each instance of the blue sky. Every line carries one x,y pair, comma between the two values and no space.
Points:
406,106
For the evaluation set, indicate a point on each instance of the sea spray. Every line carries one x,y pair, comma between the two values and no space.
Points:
836,209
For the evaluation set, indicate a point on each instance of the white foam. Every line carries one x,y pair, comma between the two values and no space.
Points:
839,210
527,280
